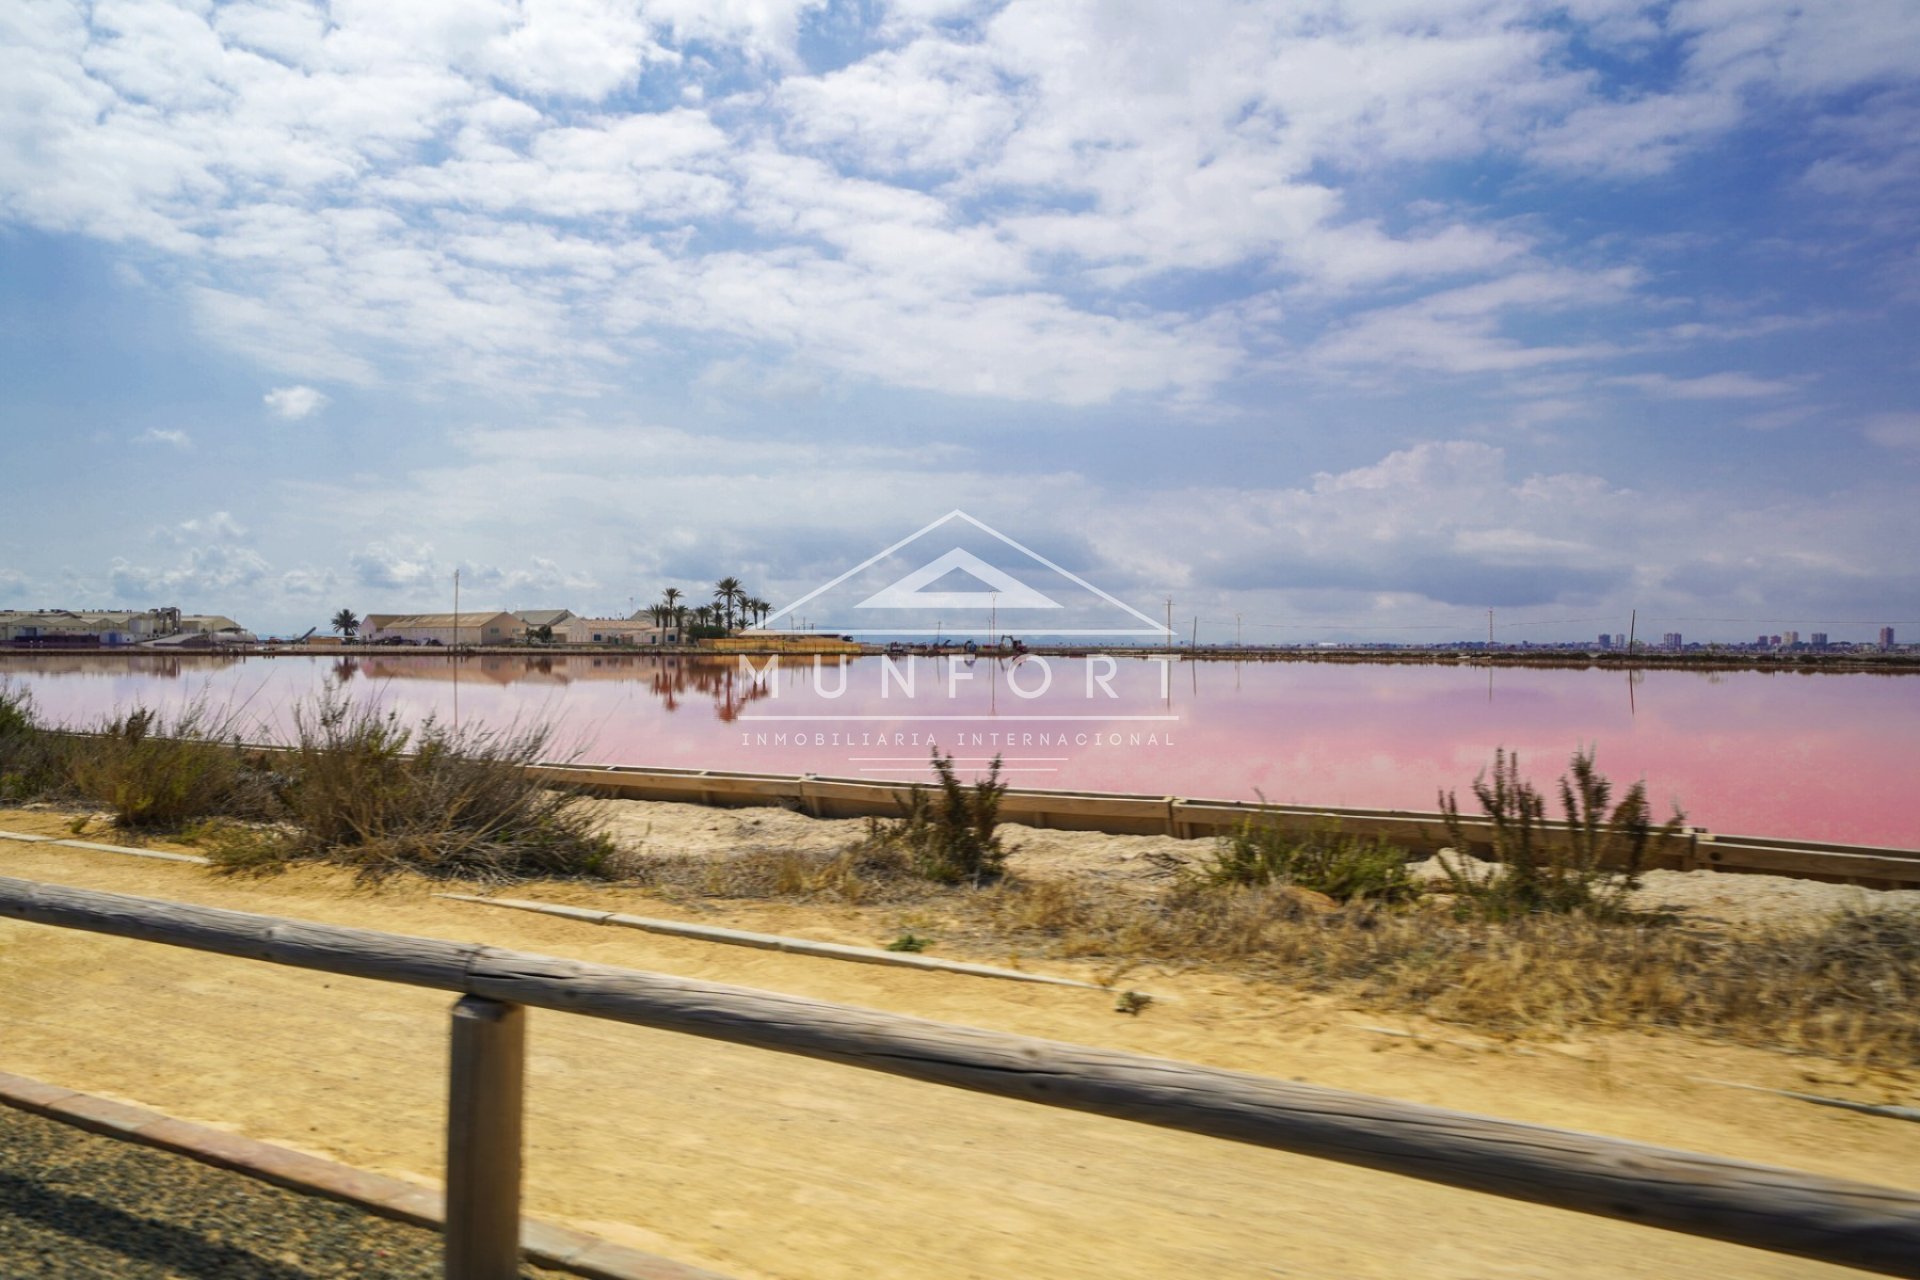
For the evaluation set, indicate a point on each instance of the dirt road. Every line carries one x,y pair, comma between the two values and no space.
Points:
763,1165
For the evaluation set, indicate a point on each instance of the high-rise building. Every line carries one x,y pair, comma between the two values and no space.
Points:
1791,638
1886,639
1773,642
1819,639
1606,640
1671,640
1761,641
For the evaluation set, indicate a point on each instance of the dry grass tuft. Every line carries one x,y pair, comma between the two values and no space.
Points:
1848,986
865,874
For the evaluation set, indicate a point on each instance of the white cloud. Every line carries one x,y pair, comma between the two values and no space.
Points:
1899,431
1462,330
396,566
1709,386
160,435
1030,200
294,403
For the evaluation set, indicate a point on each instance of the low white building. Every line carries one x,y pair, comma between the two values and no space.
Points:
476,627
628,631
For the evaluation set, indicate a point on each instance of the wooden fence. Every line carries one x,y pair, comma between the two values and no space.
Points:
1833,1220
1422,832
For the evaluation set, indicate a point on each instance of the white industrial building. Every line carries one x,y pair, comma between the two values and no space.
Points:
477,627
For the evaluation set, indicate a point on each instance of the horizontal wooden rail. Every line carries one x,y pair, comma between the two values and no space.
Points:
1849,1223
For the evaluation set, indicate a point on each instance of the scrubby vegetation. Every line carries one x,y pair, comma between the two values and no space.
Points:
357,787
366,791
947,835
1845,986
1552,949
1542,940
30,762
1326,860
1590,867
160,774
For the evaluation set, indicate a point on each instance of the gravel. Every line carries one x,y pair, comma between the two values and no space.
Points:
74,1204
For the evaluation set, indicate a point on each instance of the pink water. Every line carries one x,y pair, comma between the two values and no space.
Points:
1828,757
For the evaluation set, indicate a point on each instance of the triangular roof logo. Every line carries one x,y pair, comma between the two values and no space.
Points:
905,590
1005,591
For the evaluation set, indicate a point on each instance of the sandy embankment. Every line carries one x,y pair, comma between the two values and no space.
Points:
764,1165
697,831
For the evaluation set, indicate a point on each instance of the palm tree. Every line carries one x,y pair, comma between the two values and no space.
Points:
671,598
703,615
726,593
346,624
757,608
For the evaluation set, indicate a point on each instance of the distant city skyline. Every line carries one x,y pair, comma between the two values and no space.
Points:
1353,319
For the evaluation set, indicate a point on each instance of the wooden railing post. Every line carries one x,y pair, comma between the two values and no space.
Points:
484,1093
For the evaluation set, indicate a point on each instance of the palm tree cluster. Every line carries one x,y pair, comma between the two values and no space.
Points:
731,607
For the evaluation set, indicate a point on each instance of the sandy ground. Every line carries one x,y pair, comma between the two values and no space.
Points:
696,831
762,1165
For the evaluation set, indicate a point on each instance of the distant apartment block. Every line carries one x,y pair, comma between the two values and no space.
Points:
1886,639
1671,640
1773,642
1790,638
1606,640
1819,639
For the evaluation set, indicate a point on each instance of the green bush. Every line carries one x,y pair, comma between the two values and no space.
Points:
948,834
1344,867
31,760
1590,867
153,773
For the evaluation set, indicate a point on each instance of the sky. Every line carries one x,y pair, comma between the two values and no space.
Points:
1354,320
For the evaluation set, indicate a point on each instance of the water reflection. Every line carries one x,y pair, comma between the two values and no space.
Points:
1826,756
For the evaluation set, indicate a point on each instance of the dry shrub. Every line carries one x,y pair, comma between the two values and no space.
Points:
948,835
1325,860
155,773
369,792
1590,868
32,764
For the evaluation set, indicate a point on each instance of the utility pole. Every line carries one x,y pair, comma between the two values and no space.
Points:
1633,624
1236,631
1193,640
1489,628
1169,622
456,651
